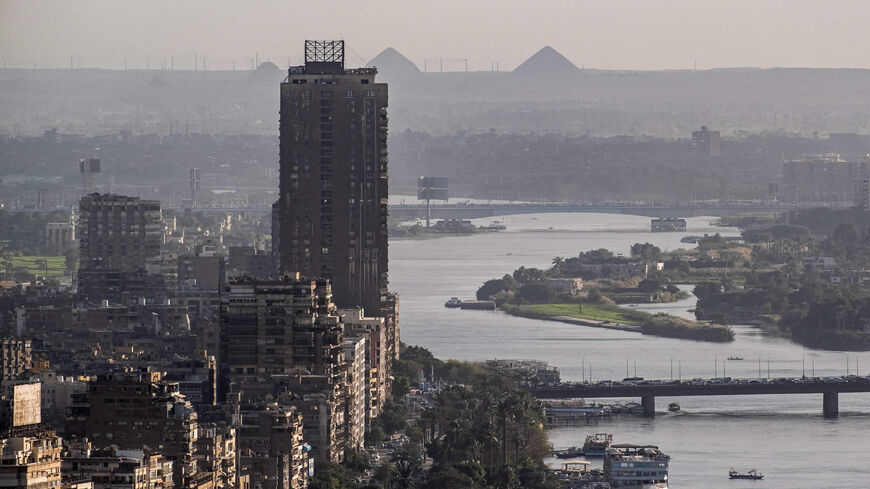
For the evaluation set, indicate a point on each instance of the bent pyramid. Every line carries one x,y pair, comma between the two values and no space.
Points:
547,61
391,62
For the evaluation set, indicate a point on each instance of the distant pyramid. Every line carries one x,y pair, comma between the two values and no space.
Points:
267,71
547,61
391,63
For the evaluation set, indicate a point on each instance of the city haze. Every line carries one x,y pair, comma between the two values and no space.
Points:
671,34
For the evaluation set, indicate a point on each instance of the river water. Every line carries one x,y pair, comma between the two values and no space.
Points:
786,437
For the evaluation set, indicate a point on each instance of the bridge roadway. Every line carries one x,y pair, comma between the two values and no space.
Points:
647,391
683,209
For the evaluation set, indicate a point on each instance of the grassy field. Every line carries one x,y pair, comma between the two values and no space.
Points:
590,311
55,264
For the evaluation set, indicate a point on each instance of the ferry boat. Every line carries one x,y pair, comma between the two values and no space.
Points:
666,224
597,445
636,466
453,302
753,474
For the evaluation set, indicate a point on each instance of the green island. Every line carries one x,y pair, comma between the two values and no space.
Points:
804,275
587,289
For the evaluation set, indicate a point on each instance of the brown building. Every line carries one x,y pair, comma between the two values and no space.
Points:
30,461
333,176
137,410
217,454
277,327
206,272
271,446
111,468
117,237
705,144
323,407
355,355
825,178
196,378
15,358
377,359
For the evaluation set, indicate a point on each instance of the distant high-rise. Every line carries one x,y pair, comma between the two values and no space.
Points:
88,167
194,185
824,178
332,211
705,144
117,236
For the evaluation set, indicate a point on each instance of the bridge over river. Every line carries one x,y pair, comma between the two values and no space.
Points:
683,209
648,390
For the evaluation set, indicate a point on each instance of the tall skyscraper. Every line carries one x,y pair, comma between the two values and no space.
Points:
332,211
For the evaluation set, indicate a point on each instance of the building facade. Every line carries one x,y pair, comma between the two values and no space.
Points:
32,462
277,327
355,349
15,358
825,178
132,410
333,176
118,235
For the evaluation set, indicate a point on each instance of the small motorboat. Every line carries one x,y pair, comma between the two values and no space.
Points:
674,407
453,302
753,474
735,358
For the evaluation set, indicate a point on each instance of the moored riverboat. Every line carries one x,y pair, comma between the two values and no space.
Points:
753,474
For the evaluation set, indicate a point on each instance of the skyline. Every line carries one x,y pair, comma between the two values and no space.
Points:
620,35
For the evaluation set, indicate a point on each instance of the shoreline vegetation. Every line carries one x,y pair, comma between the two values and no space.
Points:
584,290
607,316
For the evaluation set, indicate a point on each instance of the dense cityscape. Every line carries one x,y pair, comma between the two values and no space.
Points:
339,273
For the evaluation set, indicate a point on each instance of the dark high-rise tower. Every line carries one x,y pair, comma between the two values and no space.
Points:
332,211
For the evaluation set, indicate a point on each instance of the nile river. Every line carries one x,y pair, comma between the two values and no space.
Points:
786,437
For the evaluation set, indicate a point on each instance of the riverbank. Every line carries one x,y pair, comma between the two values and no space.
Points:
534,311
604,315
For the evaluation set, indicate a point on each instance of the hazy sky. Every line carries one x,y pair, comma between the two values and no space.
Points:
618,34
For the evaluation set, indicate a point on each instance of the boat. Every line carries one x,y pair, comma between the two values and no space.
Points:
735,358
596,445
753,474
453,302
691,239
636,466
674,407
572,452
